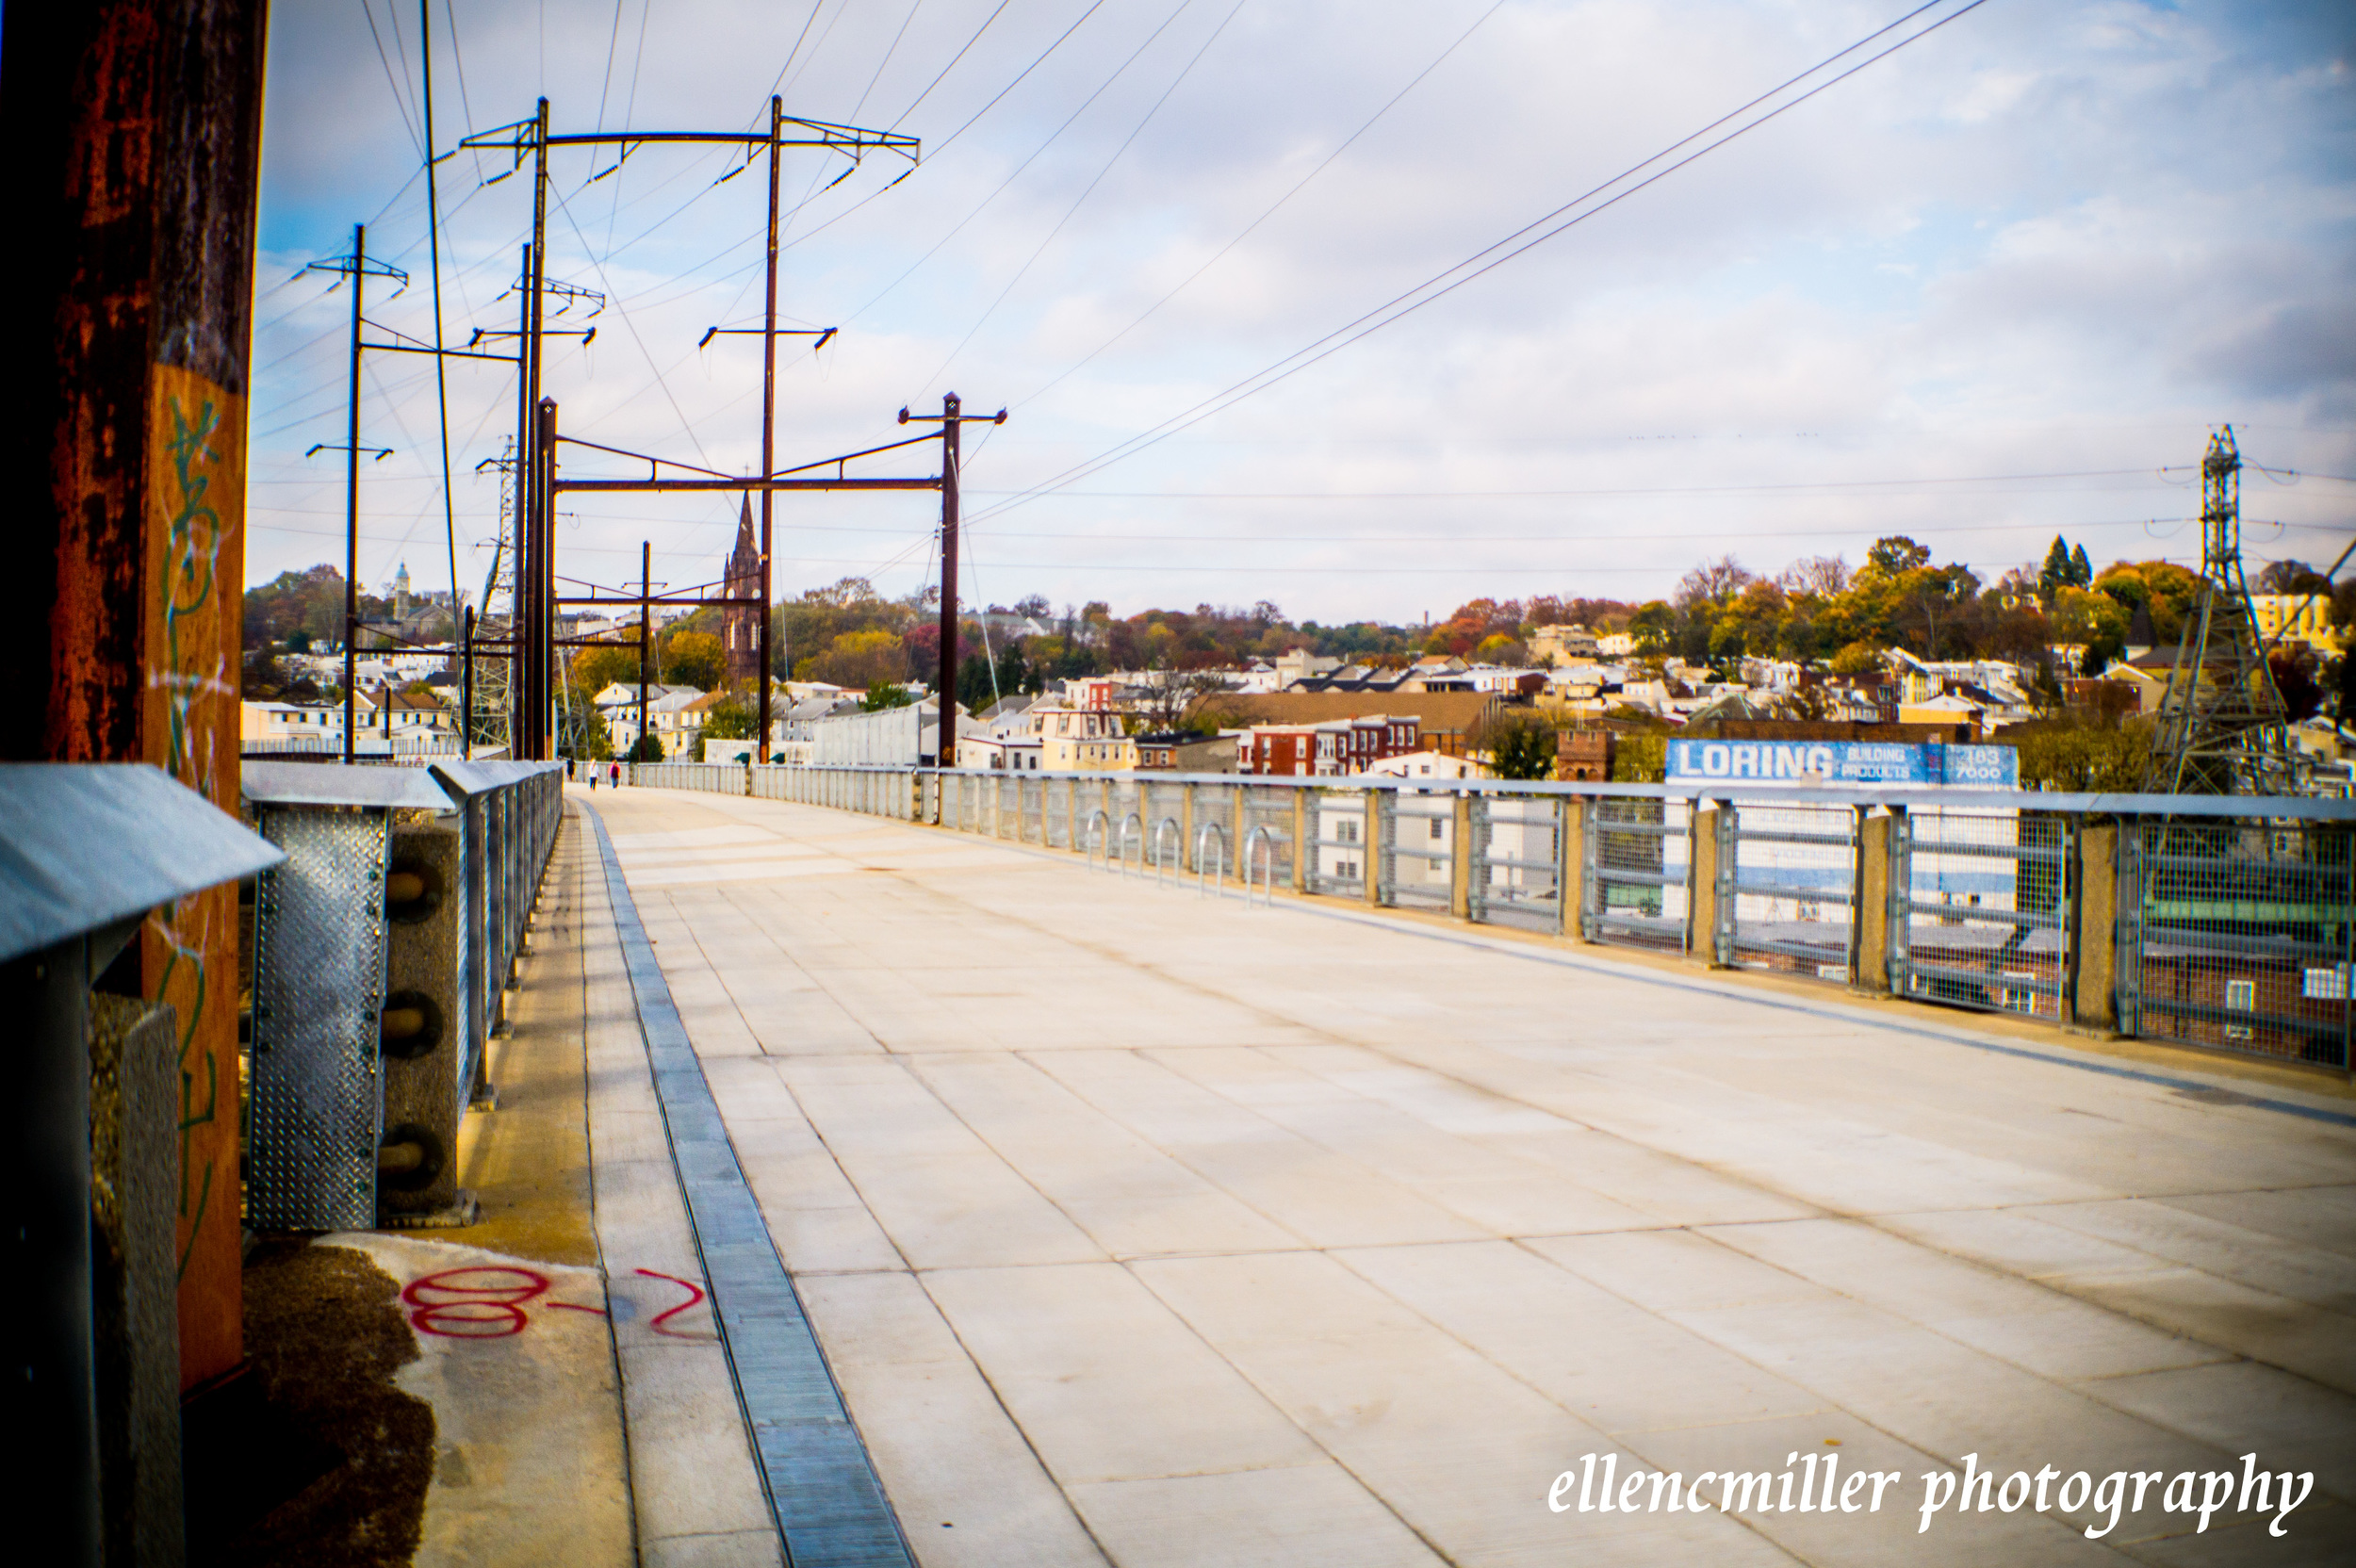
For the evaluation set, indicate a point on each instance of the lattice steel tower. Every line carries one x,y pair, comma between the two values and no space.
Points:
492,723
2223,729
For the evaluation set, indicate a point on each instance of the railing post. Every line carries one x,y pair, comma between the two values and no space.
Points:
1869,964
1376,824
1722,895
2088,1000
1570,864
1460,855
1301,849
1185,820
1898,934
1701,880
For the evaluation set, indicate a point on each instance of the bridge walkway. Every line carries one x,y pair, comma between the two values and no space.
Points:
1147,1228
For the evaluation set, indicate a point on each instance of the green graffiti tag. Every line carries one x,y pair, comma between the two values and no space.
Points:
192,553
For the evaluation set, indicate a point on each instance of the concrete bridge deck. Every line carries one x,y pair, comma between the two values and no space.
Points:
1148,1228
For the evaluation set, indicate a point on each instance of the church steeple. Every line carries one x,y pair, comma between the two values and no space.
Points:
740,623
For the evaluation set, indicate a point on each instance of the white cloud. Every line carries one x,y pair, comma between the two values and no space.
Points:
2045,240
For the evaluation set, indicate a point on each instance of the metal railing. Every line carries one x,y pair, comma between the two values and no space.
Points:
2240,936
1788,894
405,896
2221,924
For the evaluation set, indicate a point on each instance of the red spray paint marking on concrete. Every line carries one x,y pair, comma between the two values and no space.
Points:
481,1302
695,1297
486,1301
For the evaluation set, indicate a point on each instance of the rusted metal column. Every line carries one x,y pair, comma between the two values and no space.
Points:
134,131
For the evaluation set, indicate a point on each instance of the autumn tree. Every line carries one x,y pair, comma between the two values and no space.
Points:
692,659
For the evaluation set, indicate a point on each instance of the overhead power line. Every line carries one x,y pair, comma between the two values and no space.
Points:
1081,200
1535,233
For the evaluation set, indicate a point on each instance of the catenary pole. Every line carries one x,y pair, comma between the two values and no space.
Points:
433,258
466,686
646,636
944,744
520,595
768,422
351,488
536,649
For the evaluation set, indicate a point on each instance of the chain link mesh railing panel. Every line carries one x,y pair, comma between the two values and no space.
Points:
1418,851
2236,936
1979,913
1268,857
1639,853
1515,876
1340,839
1793,890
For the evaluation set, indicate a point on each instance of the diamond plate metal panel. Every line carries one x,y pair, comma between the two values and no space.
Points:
319,991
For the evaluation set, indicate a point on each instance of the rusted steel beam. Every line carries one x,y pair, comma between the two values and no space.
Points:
134,130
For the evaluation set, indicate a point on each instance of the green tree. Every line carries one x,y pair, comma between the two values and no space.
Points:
1897,554
2088,753
694,659
883,694
731,718
2081,569
1652,626
1859,658
1640,758
1521,745
869,656
595,669
2096,620
2058,572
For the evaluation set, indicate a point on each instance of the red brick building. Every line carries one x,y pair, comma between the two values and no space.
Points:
1334,749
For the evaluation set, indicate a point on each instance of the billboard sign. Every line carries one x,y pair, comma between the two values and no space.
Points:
1804,763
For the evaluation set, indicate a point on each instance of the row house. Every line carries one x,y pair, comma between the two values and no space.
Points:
1187,751
1078,739
1333,750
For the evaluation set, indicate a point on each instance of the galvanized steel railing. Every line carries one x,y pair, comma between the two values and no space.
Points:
2223,924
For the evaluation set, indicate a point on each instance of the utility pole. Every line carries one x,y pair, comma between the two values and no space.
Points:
645,634
2223,726
358,269
768,425
646,598
533,136
945,744
433,254
352,486
538,650
465,688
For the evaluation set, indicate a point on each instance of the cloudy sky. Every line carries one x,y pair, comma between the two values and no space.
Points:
2000,283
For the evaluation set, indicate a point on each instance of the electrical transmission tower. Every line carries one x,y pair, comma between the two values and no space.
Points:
490,720
2223,727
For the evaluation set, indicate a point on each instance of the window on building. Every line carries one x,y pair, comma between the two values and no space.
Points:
2241,996
1439,828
